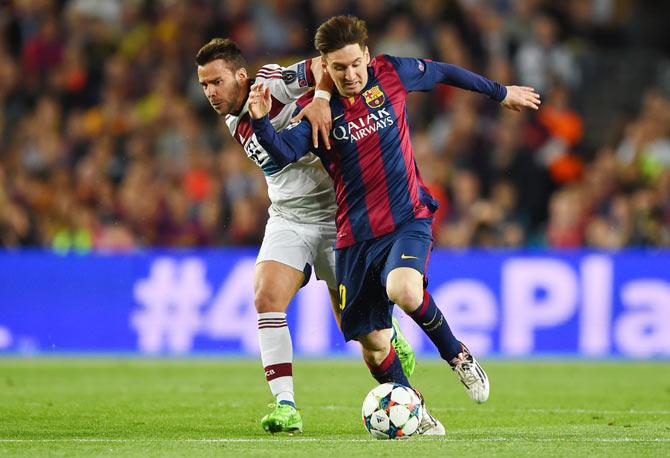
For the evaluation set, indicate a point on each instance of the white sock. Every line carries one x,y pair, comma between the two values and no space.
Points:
277,354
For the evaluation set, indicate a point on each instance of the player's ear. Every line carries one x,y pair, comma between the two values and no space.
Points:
366,53
241,74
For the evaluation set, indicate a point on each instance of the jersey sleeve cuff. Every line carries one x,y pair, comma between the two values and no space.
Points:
501,92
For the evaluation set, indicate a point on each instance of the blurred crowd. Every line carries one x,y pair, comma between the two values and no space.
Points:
107,142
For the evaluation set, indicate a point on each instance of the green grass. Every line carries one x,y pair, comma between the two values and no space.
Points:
212,407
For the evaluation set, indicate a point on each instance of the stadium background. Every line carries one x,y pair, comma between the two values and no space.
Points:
130,220
124,202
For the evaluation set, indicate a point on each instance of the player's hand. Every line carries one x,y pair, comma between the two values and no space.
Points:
260,101
519,97
318,114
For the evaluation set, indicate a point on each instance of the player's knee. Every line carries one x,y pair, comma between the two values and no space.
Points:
406,294
375,347
376,356
266,301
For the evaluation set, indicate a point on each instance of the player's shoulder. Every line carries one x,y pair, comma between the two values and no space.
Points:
269,72
397,62
272,76
297,74
381,60
384,62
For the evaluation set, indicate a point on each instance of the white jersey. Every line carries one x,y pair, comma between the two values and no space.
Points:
302,191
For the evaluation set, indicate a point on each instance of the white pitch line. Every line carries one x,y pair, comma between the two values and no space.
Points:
531,410
592,411
326,440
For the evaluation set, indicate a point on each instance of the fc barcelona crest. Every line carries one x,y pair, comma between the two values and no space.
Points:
374,97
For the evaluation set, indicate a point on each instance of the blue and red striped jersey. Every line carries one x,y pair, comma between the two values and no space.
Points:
378,186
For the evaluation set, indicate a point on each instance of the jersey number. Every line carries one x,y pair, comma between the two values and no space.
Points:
253,150
343,296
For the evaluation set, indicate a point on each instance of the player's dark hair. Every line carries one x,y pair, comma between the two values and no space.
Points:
221,48
340,31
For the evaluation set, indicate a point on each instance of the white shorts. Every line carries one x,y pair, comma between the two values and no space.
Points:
297,245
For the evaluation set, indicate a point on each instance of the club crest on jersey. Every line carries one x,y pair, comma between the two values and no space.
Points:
374,97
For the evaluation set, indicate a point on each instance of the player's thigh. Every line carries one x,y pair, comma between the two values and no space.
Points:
406,263
365,306
275,284
323,244
321,240
283,260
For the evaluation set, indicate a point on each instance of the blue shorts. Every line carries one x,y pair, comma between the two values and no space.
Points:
362,270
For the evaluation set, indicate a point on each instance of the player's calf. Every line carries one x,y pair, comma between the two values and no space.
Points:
381,357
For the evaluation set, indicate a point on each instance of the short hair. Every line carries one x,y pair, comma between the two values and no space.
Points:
340,31
221,48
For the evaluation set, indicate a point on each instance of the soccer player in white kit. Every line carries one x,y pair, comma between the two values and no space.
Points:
300,232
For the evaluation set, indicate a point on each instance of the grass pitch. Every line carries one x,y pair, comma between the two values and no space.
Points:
212,407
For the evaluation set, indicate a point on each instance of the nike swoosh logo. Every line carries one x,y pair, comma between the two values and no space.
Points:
337,117
404,256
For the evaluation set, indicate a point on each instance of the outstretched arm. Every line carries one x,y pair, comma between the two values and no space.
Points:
285,147
510,97
422,75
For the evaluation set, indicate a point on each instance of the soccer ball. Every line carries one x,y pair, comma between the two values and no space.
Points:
392,411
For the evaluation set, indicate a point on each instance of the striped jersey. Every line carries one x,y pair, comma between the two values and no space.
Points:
300,191
378,186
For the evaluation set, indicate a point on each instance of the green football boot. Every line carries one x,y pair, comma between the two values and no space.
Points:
283,419
403,349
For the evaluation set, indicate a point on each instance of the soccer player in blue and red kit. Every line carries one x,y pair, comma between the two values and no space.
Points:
384,211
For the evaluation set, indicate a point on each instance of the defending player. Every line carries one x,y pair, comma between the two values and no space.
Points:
301,229
384,211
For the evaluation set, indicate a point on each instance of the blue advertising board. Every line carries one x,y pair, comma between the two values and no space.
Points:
182,302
